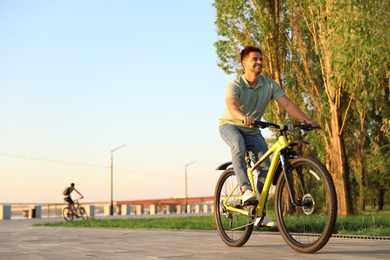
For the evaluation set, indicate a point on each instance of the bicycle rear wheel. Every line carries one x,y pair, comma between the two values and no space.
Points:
83,213
233,227
306,228
67,214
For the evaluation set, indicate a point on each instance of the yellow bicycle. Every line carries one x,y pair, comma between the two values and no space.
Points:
305,196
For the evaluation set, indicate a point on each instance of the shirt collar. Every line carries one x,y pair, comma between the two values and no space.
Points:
258,85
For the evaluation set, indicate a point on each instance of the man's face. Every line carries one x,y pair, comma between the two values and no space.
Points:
253,63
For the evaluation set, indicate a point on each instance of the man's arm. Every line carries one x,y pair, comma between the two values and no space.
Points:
294,111
79,193
233,105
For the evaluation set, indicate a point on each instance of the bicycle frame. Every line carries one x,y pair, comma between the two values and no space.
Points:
279,145
75,205
305,192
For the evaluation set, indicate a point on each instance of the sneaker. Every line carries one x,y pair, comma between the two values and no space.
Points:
248,196
267,222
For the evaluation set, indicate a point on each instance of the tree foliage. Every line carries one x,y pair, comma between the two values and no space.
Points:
331,58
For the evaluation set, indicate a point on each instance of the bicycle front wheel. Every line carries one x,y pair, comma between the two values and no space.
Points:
67,214
306,227
233,227
83,213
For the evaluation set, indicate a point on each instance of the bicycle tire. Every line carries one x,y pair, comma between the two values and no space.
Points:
232,227
306,229
67,214
83,213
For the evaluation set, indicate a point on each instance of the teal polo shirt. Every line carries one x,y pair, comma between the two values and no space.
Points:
253,101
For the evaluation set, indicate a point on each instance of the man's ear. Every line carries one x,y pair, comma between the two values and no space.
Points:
244,61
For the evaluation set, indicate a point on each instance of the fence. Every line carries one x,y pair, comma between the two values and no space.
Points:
28,211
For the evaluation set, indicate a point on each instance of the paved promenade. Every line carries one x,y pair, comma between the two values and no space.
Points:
20,240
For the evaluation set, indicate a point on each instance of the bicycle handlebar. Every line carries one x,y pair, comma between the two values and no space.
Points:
304,126
76,200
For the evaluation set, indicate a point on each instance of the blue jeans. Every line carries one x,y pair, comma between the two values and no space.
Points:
237,141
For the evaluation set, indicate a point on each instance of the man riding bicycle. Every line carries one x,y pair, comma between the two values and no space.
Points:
68,198
246,100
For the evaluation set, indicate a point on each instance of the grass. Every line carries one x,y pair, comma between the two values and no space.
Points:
184,222
374,224
368,225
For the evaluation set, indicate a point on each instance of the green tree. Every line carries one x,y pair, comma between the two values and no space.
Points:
364,69
327,56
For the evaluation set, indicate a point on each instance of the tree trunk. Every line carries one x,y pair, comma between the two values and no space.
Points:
362,201
334,91
339,165
381,199
360,158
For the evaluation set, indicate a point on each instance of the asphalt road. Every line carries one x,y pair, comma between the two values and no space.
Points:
20,240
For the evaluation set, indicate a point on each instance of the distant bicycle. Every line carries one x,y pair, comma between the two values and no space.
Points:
68,213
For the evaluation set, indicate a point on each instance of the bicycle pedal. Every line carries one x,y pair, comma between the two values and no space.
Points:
252,210
251,203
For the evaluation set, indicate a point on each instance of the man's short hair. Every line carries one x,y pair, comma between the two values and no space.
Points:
72,184
248,49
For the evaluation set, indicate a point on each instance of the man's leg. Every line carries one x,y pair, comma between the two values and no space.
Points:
259,148
72,208
234,139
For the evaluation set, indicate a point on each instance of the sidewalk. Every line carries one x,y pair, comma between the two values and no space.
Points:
20,240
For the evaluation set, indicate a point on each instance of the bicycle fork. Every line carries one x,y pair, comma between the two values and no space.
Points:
284,154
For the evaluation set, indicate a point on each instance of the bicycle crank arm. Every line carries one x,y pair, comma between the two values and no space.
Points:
240,227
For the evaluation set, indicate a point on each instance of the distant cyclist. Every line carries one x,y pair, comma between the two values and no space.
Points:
68,198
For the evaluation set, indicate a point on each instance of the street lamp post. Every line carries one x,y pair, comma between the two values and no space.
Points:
112,183
186,210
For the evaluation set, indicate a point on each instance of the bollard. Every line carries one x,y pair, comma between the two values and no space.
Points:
152,209
205,208
106,210
197,208
189,209
5,212
125,210
90,209
37,212
139,209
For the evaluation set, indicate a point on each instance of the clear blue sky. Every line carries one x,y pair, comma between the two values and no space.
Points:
80,78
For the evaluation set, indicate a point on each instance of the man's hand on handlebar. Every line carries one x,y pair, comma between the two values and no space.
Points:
313,123
248,120
306,125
